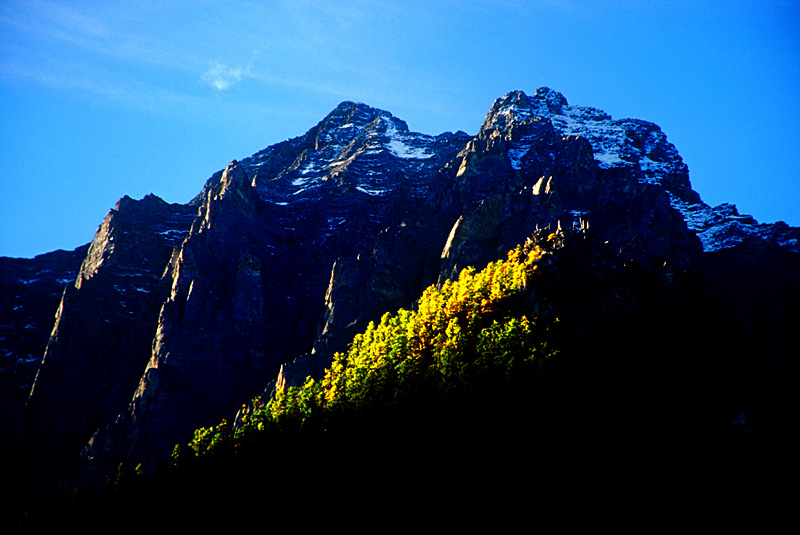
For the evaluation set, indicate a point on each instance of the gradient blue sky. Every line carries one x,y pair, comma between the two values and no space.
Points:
104,99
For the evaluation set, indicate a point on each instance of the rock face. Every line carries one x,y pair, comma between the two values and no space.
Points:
248,283
182,313
103,331
30,292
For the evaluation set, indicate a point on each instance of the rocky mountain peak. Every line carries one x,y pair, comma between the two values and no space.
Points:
513,107
634,148
183,313
349,119
347,112
356,149
517,107
554,99
352,121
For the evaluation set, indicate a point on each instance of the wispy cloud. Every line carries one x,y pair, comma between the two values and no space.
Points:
222,77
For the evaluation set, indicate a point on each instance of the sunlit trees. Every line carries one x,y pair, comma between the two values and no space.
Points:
466,337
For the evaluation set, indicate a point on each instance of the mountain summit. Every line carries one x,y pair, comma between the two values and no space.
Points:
180,314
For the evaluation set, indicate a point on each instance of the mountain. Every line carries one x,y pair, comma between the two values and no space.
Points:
180,314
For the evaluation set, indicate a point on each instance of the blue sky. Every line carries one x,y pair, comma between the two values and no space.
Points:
104,99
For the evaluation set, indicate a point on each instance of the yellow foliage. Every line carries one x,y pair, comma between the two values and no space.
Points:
457,330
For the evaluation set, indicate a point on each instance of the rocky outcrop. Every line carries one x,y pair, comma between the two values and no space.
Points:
182,313
103,331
